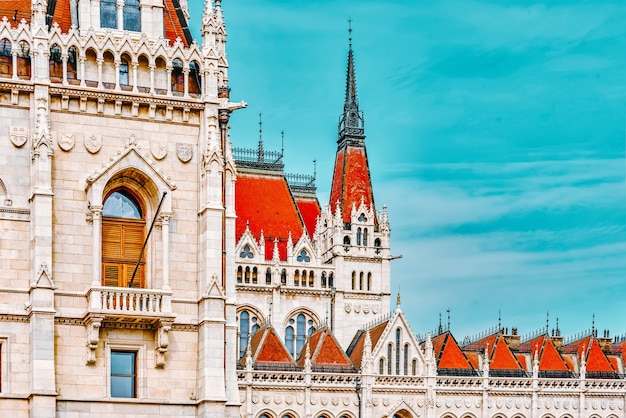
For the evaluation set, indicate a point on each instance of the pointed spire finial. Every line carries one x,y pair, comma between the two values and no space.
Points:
499,319
351,122
593,324
547,321
350,31
261,153
448,310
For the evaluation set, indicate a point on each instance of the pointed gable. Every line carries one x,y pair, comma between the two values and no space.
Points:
449,355
502,358
264,202
326,353
550,359
596,361
268,351
355,350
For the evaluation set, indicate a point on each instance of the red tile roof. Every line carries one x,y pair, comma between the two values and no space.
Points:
351,180
309,211
265,203
8,8
597,360
268,349
472,356
501,357
549,357
521,358
448,354
172,23
355,351
325,351
62,15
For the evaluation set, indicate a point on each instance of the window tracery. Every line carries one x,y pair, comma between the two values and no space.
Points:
249,323
299,327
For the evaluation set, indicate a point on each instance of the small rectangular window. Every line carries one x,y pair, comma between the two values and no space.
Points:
123,374
108,14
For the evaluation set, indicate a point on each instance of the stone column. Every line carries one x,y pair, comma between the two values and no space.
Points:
120,14
165,239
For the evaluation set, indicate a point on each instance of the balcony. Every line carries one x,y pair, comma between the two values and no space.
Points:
120,304
129,308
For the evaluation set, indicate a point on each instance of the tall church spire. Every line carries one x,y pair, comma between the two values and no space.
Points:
351,124
352,185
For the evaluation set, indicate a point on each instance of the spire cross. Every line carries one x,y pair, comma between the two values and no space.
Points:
350,30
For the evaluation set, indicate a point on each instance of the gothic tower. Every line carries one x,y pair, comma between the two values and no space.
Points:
354,237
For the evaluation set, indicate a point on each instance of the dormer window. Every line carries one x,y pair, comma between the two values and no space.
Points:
303,257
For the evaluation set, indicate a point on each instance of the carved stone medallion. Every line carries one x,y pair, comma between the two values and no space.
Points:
18,135
184,152
159,151
93,143
66,141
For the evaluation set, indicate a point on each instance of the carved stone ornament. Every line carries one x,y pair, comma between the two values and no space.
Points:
159,151
66,141
93,143
184,152
18,135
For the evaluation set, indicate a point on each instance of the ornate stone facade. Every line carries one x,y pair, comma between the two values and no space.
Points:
111,137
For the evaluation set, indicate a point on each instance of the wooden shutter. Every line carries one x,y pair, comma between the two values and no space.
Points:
122,241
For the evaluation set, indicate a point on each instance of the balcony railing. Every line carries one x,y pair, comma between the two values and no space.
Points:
122,303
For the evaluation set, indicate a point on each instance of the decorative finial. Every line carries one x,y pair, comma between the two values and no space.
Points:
269,316
593,324
314,169
499,320
448,310
282,143
440,327
261,154
547,322
398,298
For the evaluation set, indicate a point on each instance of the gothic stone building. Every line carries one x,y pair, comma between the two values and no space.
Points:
147,268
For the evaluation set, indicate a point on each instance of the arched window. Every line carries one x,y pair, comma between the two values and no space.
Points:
389,354
132,16
296,278
239,274
6,59
414,367
346,240
377,245
283,276
108,14
178,77
299,327
365,237
55,64
268,276
303,278
248,325
358,236
72,60
195,83
369,281
331,280
354,280
255,275
23,60
406,359
247,275
361,281
323,280
289,339
123,232
398,334
124,79
381,366
311,279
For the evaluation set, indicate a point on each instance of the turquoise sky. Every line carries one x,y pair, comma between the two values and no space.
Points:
495,134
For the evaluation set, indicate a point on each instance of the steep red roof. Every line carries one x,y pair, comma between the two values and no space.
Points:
355,351
472,356
172,23
8,8
351,180
325,352
265,203
267,349
502,358
597,360
309,211
522,359
448,353
62,15
549,357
